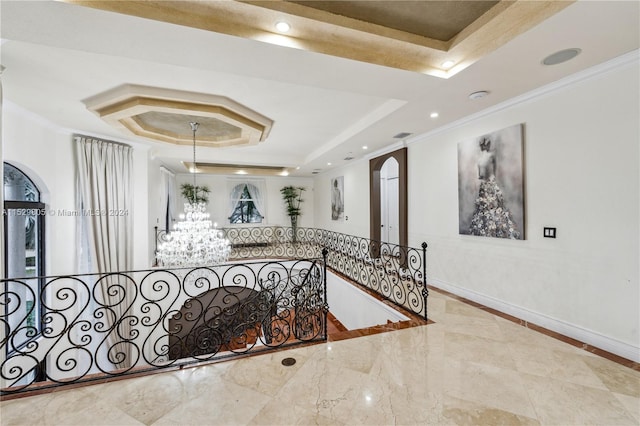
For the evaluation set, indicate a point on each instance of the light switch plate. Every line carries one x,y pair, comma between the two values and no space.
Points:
549,232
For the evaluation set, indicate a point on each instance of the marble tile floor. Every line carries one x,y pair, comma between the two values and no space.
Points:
468,368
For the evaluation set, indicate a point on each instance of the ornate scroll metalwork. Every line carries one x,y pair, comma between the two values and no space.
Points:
170,318
397,273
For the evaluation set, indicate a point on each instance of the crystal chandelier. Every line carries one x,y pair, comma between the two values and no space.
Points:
193,241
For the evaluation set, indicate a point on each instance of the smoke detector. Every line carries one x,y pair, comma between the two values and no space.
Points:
478,95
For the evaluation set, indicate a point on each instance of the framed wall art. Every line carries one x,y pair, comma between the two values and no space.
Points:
337,198
491,184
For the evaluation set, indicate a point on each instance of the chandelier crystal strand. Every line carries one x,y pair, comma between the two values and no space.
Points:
193,241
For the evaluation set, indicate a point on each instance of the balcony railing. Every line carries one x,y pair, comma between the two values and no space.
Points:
80,328
93,326
396,273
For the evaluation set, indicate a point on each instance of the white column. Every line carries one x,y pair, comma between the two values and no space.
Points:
2,236
1,170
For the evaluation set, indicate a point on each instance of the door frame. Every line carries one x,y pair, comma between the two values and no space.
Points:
375,165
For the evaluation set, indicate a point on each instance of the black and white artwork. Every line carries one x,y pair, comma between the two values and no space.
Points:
337,198
491,184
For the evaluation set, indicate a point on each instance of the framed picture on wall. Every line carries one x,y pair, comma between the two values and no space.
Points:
491,184
337,198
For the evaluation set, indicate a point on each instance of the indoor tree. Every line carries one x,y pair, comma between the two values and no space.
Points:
195,194
292,197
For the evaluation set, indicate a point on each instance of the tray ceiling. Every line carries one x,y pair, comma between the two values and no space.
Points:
438,38
322,84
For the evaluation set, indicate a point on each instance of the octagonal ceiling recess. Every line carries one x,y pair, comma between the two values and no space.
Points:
164,115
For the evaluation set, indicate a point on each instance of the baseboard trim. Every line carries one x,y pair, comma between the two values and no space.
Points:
563,328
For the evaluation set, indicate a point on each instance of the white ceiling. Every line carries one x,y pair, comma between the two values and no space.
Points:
324,108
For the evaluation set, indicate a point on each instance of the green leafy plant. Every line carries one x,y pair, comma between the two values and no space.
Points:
292,197
195,194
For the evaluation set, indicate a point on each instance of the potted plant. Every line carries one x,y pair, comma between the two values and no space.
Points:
194,193
292,197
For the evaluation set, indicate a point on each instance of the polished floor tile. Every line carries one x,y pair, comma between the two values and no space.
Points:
468,368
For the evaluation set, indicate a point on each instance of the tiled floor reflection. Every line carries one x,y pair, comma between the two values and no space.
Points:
470,367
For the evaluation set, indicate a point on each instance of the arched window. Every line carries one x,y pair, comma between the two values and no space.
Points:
24,215
247,204
23,224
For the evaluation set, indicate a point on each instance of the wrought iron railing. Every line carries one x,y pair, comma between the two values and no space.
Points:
103,325
397,273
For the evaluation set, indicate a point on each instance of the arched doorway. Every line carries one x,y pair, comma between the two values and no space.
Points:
389,202
23,225
376,194
24,214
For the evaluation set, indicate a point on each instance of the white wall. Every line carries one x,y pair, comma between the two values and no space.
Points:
342,296
356,199
276,213
46,154
581,159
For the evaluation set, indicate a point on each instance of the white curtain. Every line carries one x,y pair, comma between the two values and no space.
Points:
104,181
167,198
234,196
257,191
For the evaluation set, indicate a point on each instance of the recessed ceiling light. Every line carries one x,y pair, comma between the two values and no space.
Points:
328,164
561,56
298,168
283,27
478,95
365,147
447,64
434,115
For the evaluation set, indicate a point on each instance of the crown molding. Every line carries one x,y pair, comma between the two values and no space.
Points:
622,61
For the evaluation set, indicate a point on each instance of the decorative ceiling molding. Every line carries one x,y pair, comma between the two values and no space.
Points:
164,115
236,169
318,30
